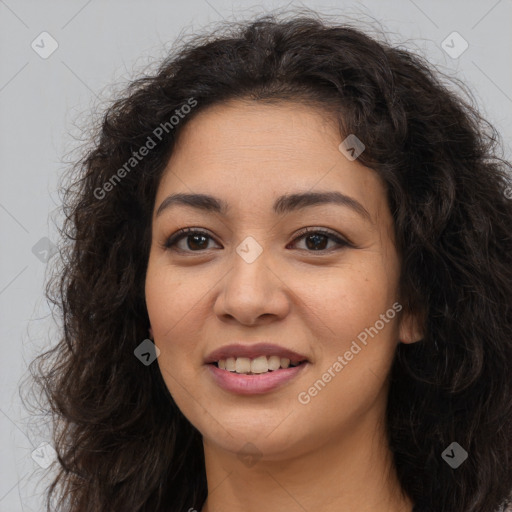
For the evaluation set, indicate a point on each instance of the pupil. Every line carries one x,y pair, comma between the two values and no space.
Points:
194,237
316,238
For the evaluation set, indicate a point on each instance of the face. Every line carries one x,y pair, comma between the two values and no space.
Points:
248,274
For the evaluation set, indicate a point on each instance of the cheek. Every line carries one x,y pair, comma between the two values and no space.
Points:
165,312
175,300
350,298
168,304
168,297
359,311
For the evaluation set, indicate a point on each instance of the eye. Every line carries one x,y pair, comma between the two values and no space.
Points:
317,239
197,240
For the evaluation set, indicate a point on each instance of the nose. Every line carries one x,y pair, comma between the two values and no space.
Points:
252,292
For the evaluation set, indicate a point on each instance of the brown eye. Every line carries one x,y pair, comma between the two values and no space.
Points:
318,239
196,240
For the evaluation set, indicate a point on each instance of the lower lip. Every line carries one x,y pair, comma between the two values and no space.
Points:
254,384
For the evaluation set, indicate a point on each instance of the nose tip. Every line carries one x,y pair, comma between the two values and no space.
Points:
251,292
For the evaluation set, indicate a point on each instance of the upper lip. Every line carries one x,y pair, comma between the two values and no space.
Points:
253,351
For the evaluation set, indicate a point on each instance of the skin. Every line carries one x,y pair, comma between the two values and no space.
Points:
330,454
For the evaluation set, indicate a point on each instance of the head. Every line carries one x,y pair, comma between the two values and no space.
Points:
410,276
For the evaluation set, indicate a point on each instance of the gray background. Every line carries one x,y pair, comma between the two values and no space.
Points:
44,103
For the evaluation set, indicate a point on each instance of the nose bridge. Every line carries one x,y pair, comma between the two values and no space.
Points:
251,267
251,288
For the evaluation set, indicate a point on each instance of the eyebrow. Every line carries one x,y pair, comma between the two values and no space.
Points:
283,204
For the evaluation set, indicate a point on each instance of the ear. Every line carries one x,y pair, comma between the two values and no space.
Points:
409,329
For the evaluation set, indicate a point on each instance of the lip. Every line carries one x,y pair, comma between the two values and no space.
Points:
253,351
254,384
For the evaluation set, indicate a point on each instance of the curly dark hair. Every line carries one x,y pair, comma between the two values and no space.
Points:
122,442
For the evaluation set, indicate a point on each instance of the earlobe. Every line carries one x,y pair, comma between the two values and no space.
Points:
409,330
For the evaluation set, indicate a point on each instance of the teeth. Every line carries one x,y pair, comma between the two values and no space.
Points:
274,362
243,365
230,364
261,364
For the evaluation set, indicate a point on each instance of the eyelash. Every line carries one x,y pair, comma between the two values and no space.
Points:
184,232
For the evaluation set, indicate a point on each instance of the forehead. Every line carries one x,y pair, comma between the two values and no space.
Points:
256,151
275,130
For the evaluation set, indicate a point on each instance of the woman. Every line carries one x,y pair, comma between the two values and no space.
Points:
288,286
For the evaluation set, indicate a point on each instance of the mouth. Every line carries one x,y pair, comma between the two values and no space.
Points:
256,366
254,359
254,369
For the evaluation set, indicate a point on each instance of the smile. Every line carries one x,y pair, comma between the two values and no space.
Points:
254,383
255,366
